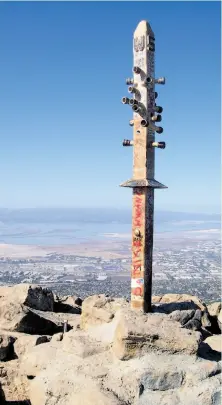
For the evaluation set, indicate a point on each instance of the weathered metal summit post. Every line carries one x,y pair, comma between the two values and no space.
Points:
142,89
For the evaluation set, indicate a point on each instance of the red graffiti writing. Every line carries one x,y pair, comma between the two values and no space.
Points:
136,254
137,291
137,242
137,239
136,270
136,259
138,211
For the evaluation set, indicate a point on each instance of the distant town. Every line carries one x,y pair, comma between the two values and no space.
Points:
192,267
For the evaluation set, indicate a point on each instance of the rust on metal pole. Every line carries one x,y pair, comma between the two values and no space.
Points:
143,182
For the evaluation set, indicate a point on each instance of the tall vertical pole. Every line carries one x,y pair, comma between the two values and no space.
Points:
142,101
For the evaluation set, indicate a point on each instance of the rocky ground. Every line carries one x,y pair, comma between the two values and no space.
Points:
65,351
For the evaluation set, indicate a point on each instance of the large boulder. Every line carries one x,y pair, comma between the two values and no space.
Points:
205,393
81,344
65,386
24,343
73,320
128,380
191,312
74,346
215,343
137,334
104,332
214,310
189,319
68,304
141,378
28,309
38,358
16,317
32,296
190,301
65,378
66,373
98,309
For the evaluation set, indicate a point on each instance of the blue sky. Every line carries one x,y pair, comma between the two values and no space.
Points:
62,74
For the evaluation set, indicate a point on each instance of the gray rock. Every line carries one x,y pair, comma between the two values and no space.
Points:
65,385
32,296
99,309
68,305
16,316
25,342
129,380
81,344
158,398
193,324
179,301
39,357
182,316
206,352
203,393
73,350
205,319
77,300
57,337
214,308
169,303
217,398
36,322
39,298
215,342
201,370
42,339
137,334
161,380
200,394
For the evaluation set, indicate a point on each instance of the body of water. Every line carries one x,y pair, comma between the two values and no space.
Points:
64,233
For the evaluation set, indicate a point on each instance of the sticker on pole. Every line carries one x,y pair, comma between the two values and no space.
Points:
137,282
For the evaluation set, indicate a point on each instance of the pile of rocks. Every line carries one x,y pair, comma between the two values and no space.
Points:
110,354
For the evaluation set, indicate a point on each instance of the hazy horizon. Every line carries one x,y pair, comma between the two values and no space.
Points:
216,211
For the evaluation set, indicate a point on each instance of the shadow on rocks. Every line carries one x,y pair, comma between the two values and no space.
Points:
39,323
4,402
11,355
61,307
205,352
214,328
174,306
17,402
2,396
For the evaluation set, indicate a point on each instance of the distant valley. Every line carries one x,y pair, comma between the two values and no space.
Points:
75,256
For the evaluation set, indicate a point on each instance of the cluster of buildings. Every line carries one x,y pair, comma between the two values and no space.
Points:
194,269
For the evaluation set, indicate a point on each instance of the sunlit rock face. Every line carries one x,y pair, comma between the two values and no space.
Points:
108,354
